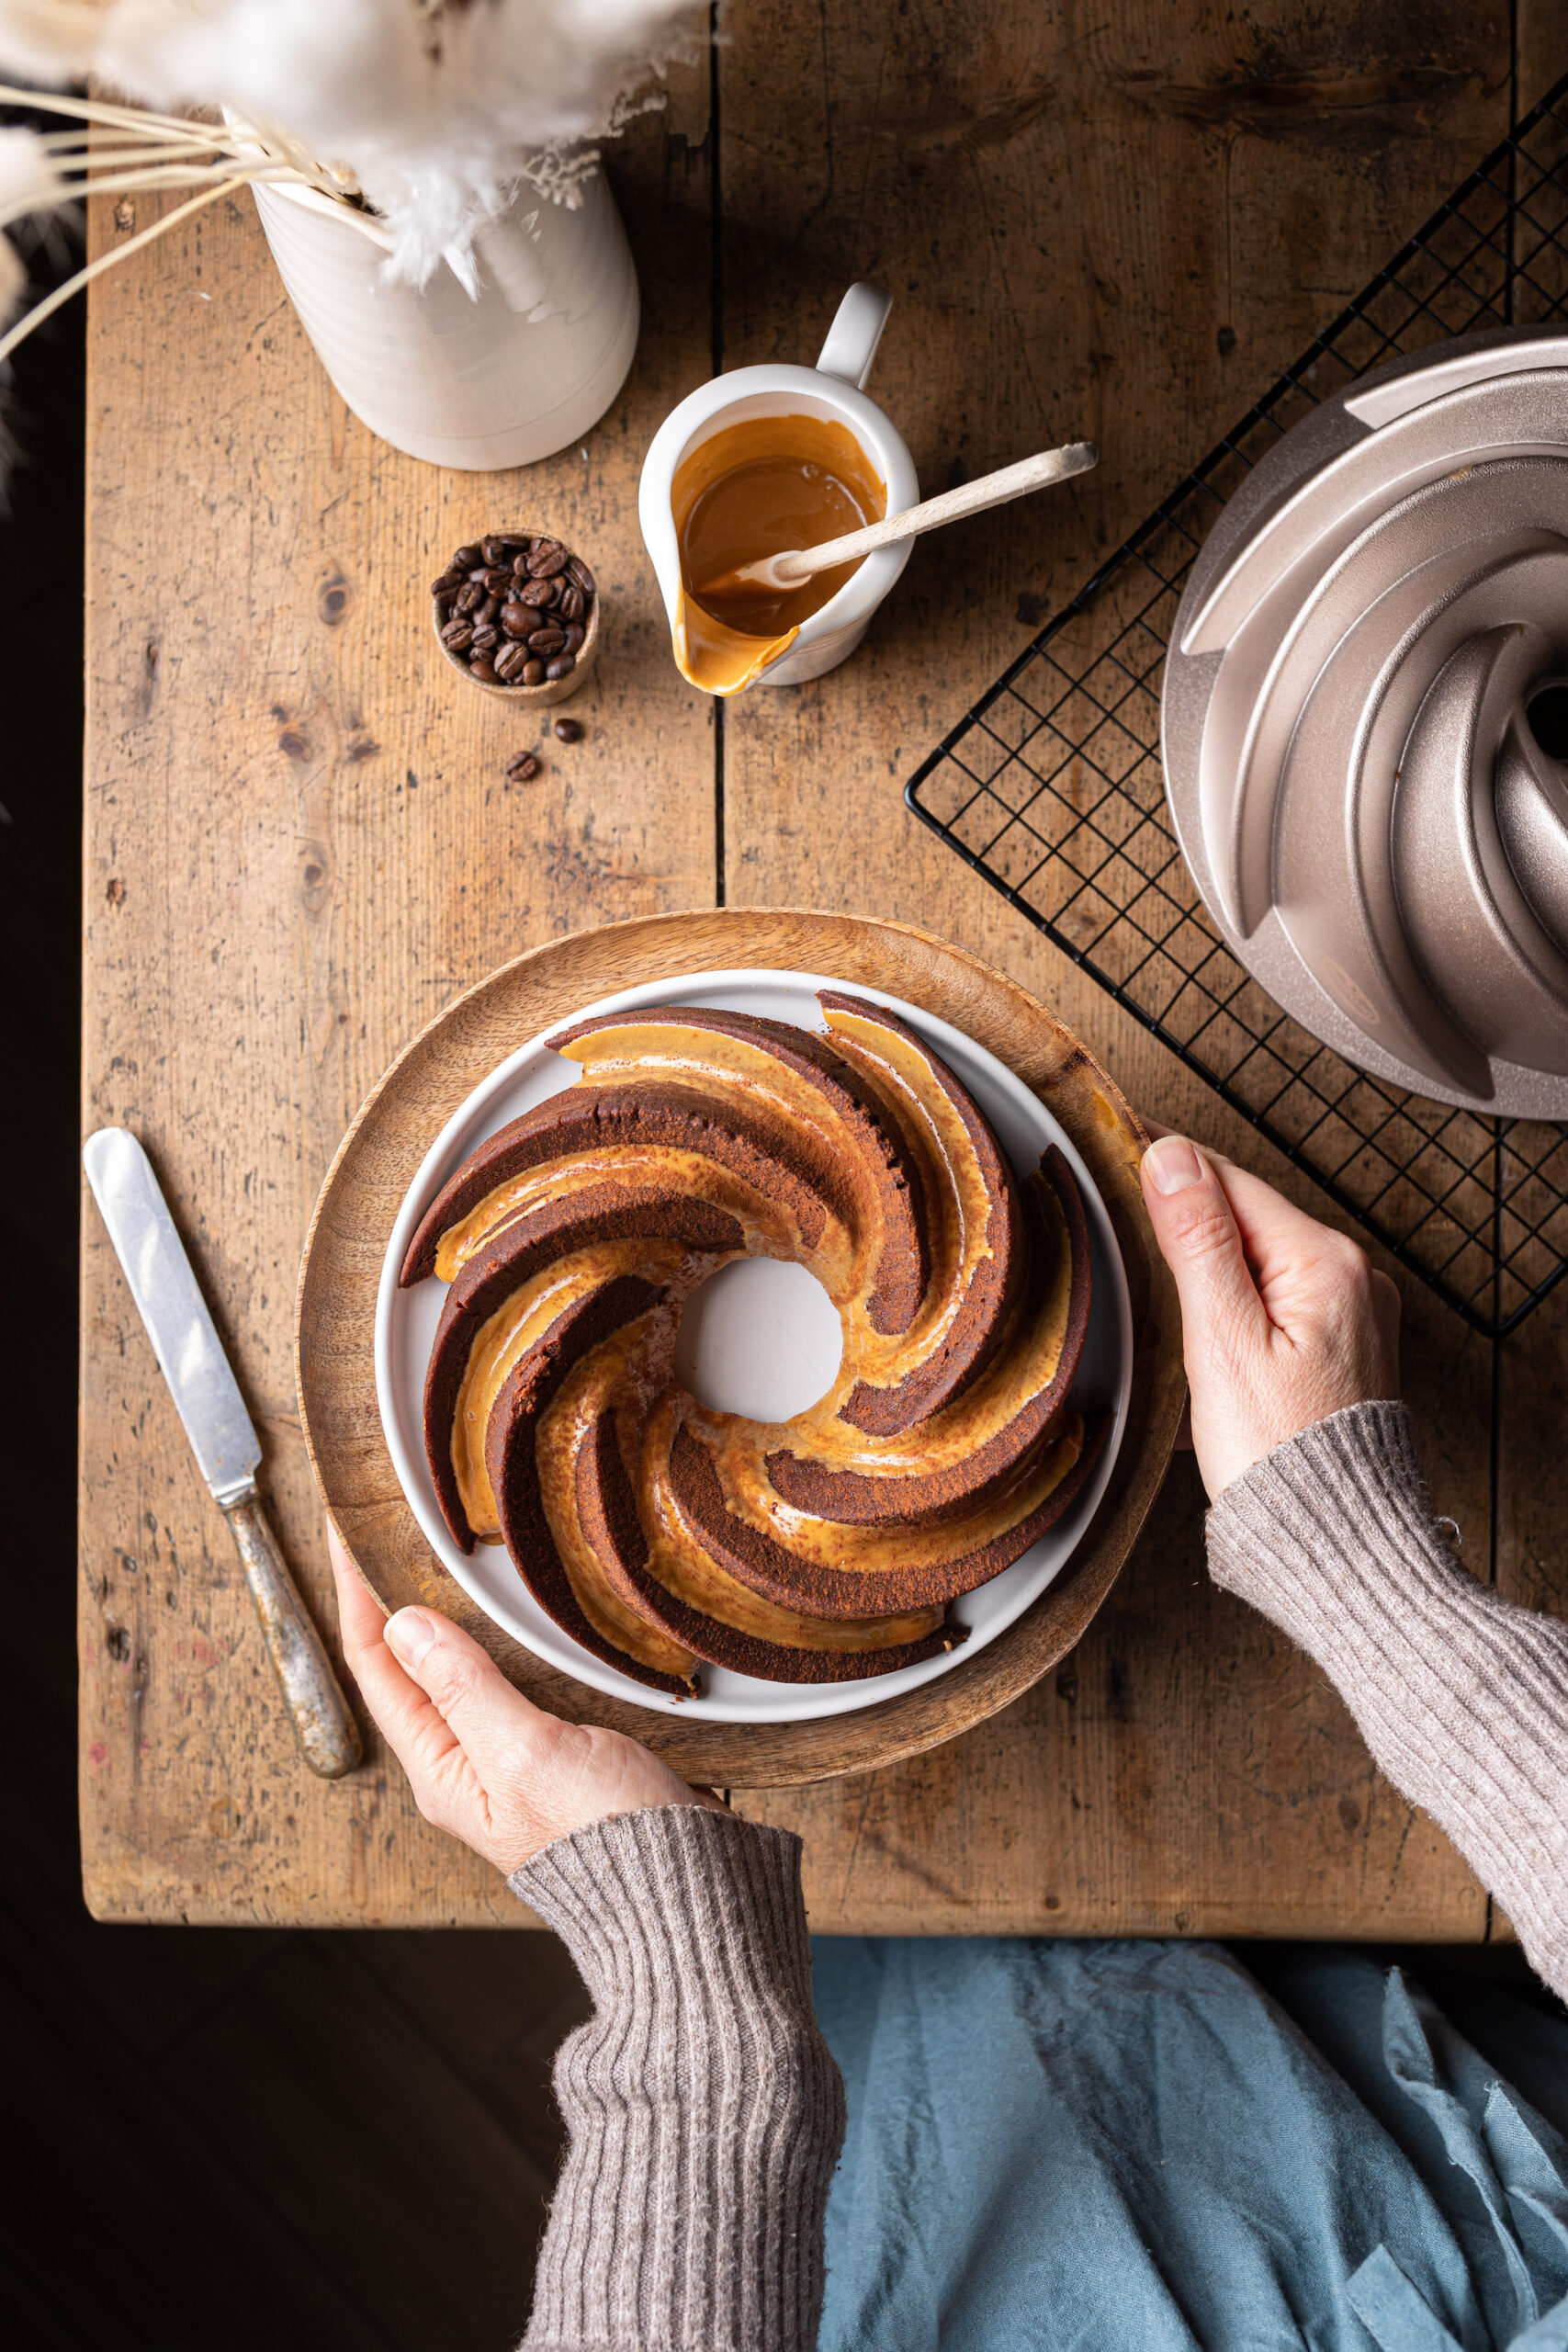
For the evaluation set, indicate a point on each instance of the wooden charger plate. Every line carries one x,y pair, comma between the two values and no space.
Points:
380,1157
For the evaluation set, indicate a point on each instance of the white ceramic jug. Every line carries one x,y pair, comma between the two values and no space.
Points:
832,390
504,379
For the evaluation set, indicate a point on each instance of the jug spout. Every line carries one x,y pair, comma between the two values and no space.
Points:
845,435
854,335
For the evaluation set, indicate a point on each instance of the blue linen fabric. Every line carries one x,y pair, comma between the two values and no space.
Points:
1091,2146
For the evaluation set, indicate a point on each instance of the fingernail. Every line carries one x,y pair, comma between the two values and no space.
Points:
1172,1164
409,1635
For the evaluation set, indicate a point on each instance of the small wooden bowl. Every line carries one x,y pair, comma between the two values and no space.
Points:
555,689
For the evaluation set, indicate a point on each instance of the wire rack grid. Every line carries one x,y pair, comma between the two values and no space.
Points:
1051,787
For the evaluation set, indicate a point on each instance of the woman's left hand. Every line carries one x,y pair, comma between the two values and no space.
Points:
482,1760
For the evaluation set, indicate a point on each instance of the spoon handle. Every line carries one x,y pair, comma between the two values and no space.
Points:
969,498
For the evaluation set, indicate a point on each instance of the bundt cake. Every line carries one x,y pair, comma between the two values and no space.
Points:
659,1533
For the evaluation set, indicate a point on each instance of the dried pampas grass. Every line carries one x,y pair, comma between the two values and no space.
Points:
429,112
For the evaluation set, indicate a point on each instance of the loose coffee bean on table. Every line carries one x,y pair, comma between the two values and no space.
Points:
516,607
569,731
522,766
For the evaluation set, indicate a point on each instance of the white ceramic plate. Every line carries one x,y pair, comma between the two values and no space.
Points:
775,1325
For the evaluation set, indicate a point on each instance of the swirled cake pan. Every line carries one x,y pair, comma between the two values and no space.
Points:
1365,722
752,1345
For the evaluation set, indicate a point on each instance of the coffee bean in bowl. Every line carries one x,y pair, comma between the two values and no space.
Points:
518,612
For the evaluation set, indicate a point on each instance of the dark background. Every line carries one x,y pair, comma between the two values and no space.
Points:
148,2209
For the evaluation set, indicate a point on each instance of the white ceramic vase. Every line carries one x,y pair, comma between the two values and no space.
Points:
519,373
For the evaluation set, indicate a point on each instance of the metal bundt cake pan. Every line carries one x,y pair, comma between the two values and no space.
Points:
1365,722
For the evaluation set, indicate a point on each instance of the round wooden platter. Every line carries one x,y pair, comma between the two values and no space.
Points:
380,1156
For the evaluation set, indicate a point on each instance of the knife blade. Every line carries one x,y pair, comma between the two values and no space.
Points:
223,1437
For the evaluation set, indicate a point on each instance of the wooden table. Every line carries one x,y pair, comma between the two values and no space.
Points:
299,844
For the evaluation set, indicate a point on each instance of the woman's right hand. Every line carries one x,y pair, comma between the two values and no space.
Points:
1283,1320
482,1760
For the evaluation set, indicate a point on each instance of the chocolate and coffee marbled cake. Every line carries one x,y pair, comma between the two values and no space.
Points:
662,1534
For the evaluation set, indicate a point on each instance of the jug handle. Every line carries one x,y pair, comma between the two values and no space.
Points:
854,335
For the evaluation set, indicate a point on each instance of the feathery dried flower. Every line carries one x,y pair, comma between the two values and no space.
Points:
31,181
434,111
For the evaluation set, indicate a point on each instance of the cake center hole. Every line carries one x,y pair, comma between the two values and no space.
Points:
1548,715
762,1338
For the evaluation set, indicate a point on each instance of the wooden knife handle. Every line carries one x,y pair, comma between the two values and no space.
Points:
328,1733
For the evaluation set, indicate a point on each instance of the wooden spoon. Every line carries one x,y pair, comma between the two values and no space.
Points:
770,574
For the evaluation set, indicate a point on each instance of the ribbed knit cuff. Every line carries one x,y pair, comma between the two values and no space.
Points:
1461,1697
703,2109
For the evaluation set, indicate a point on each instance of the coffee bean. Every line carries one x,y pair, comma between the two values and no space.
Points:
569,731
517,607
522,766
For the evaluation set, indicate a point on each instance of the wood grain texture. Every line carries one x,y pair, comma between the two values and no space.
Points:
382,1154
1127,245
299,848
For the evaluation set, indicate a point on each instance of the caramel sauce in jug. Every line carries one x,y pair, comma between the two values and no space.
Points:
756,488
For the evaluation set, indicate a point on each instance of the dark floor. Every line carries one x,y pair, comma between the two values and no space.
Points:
172,2187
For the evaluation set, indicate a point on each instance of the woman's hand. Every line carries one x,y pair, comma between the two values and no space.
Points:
483,1761
1283,1321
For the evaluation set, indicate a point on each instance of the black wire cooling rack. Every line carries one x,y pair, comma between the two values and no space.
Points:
1052,788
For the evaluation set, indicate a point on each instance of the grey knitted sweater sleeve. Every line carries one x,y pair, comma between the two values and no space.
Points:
704,2110
1461,1697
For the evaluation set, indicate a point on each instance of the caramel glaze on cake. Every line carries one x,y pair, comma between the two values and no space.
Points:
659,1533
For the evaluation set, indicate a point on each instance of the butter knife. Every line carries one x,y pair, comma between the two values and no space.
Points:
207,1395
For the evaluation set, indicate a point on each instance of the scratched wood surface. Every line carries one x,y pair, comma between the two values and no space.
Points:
299,846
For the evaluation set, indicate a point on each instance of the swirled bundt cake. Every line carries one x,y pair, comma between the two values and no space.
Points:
659,1533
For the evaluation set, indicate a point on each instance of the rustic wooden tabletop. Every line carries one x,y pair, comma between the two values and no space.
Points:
301,845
